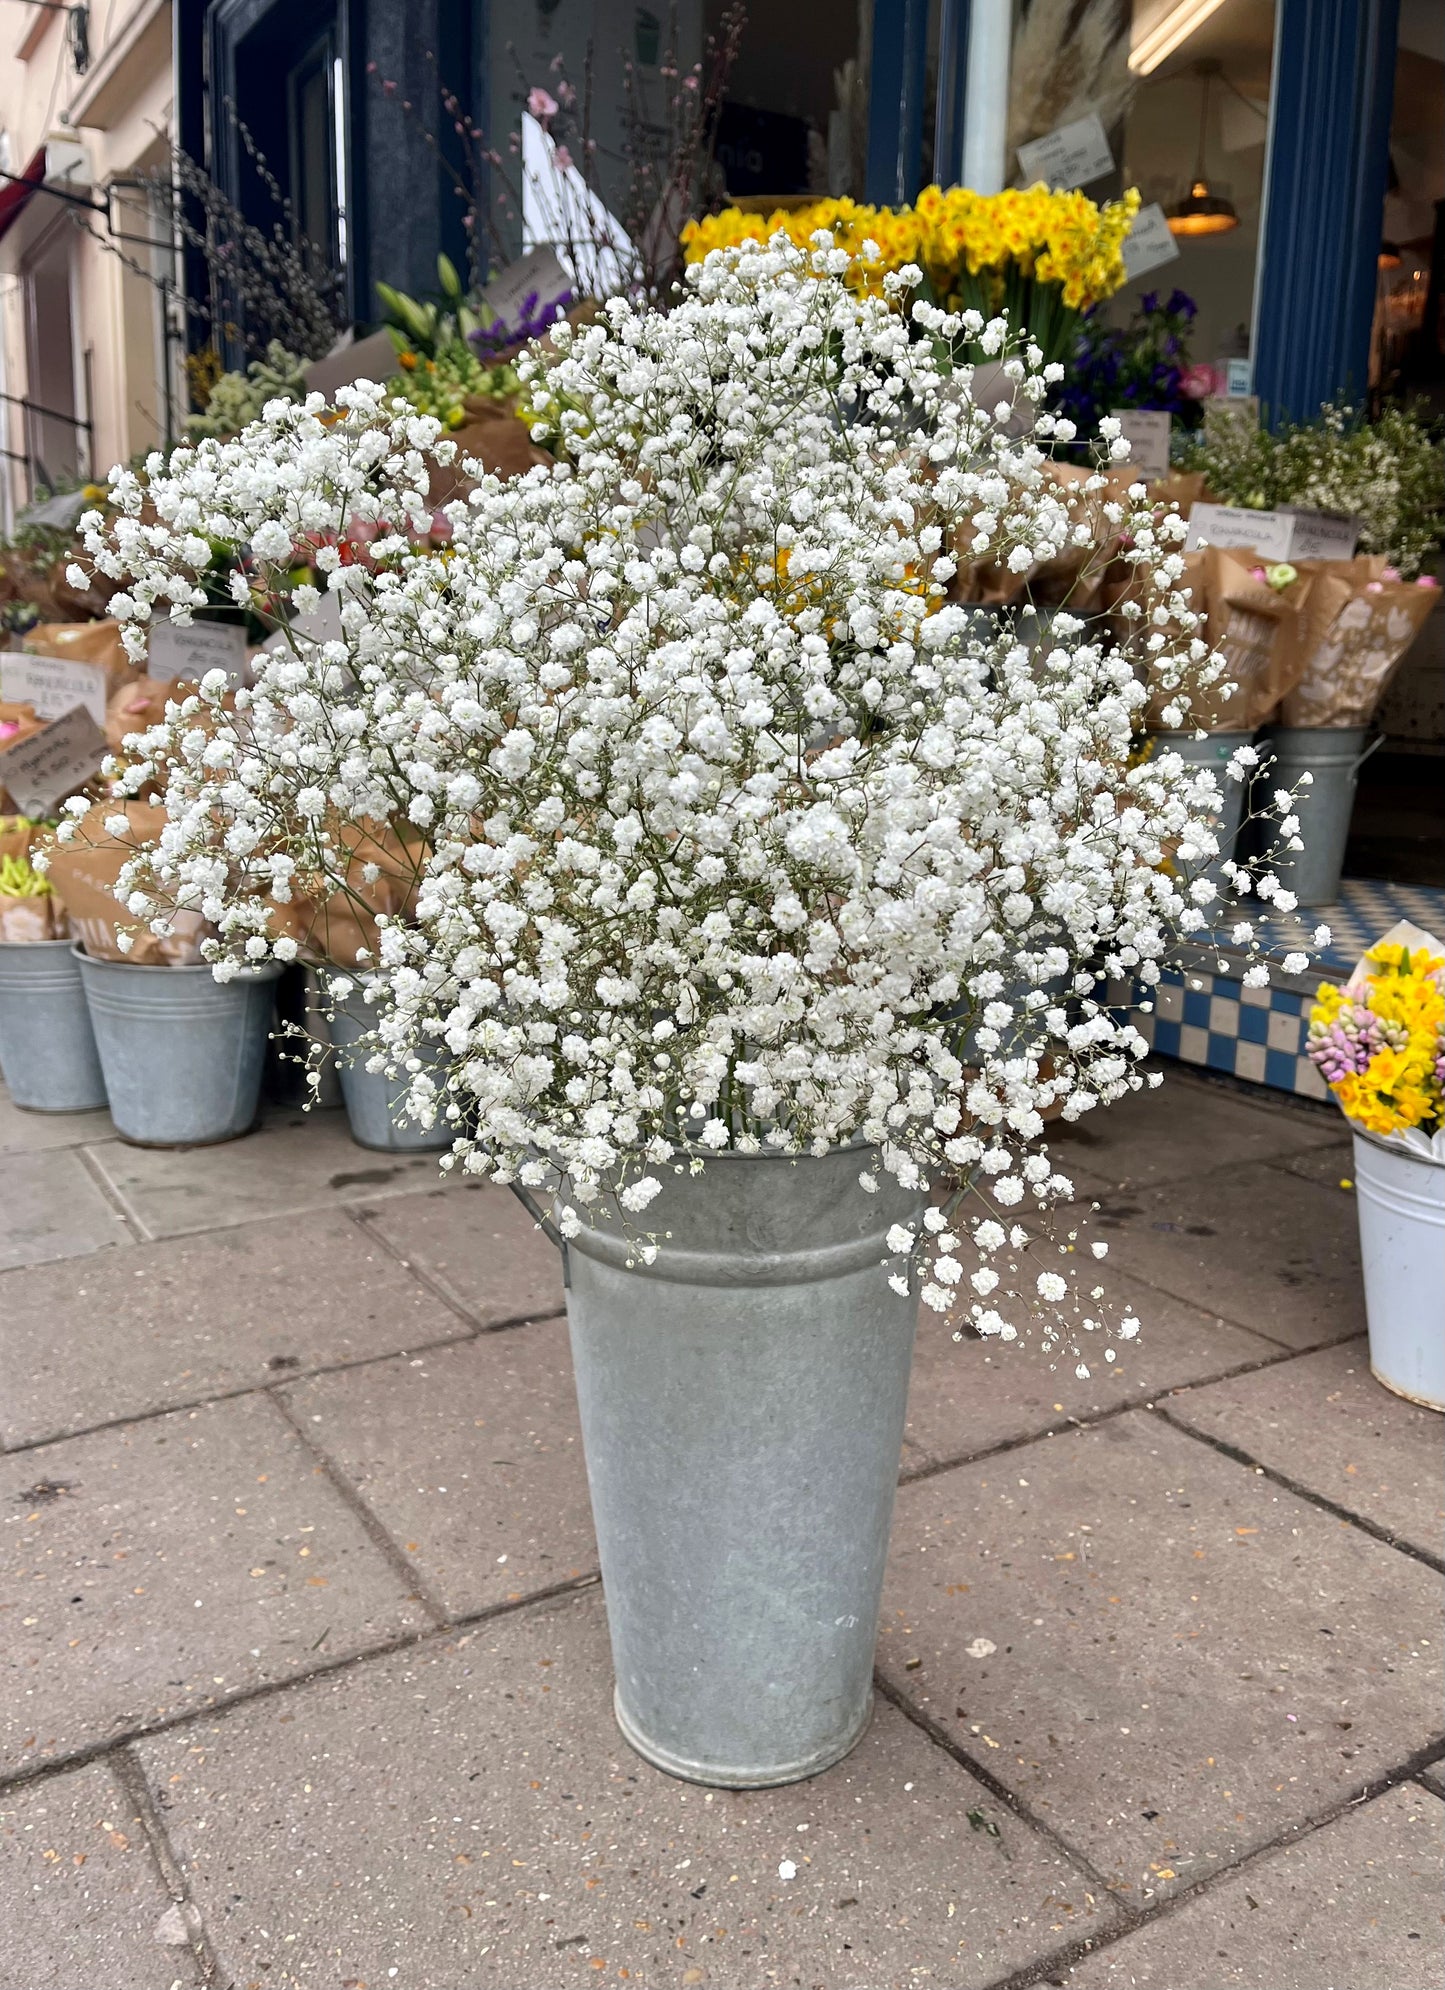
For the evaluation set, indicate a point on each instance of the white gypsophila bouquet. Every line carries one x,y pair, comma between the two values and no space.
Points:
732,830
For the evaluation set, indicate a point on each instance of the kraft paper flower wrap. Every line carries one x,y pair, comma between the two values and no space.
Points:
1357,633
1257,625
1379,1042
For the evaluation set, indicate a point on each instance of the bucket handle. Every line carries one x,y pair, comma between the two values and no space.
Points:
1374,746
548,1228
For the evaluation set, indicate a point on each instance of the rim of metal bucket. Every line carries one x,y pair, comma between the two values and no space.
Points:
1391,1147
261,970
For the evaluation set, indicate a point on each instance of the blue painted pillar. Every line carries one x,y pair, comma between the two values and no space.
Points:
1334,78
953,22
897,81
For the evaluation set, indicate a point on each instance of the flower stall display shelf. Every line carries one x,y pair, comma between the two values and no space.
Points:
1379,1043
762,893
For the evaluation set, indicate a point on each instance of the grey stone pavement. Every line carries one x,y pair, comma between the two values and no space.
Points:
305,1660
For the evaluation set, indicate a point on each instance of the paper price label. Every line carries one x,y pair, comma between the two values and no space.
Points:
538,274
41,771
1238,379
52,684
322,624
1072,156
1146,430
189,652
1148,243
1268,533
1322,535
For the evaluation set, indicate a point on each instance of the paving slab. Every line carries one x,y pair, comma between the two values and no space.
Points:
967,1395
1354,1906
25,1132
293,1162
1332,1166
1256,1244
467,1813
1183,1128
179,1321
1325,1422
161,1566
52,1207
480,1245
1165,1655
470,1457
82,1902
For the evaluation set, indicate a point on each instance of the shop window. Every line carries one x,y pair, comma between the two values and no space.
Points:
54,427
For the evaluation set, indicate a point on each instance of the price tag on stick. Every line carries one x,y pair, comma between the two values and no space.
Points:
1146,430
41,771
52,684
189,651
1072,156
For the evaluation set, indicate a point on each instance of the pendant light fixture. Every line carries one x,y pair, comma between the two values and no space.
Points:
1202,212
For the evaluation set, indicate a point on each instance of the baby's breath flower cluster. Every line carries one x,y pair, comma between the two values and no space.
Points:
737,832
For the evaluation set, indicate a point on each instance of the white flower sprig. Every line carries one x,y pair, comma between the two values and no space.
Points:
735,829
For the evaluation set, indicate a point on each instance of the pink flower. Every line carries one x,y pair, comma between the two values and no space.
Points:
1389,573
1259,574
1199,383
8,728
541,103
1374,587
441,526
563,159
1427,580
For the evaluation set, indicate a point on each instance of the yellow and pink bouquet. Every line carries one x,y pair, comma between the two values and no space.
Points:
1379,1042
1043,257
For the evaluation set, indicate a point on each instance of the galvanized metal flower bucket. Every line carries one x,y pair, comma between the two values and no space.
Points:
47,1047
375,1104
743,1402
182,1052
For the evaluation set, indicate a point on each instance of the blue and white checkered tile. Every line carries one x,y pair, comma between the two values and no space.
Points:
1205,1017
1365,909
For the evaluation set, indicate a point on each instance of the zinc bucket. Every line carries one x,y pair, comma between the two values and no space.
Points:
375,1104
742,1402
1401,1201
1215,751
182,1052
1332,757
47,1047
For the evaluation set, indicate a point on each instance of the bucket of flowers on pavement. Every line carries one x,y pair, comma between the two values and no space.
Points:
737,826
1379,1042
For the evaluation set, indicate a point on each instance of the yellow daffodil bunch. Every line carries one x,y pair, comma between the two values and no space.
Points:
1043,257
1381,1046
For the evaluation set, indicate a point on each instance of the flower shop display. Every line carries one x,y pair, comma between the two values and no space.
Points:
1379,1043
182,1054
47,1049
730,826
236,398
1042,258
1388,473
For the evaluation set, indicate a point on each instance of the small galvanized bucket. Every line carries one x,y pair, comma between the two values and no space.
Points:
1401,1200
182,1052
376,1104
742,1404
47,1047
1214,751
1332,757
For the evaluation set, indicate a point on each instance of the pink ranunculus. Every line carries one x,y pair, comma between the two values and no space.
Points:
1259,574
541,103
1374,587
1427,580
1199,382
1389,573
8,728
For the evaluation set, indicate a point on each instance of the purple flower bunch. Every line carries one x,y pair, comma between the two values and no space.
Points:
1144,364
1343,1047
532,320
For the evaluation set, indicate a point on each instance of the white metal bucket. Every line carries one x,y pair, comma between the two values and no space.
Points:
1401,1198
